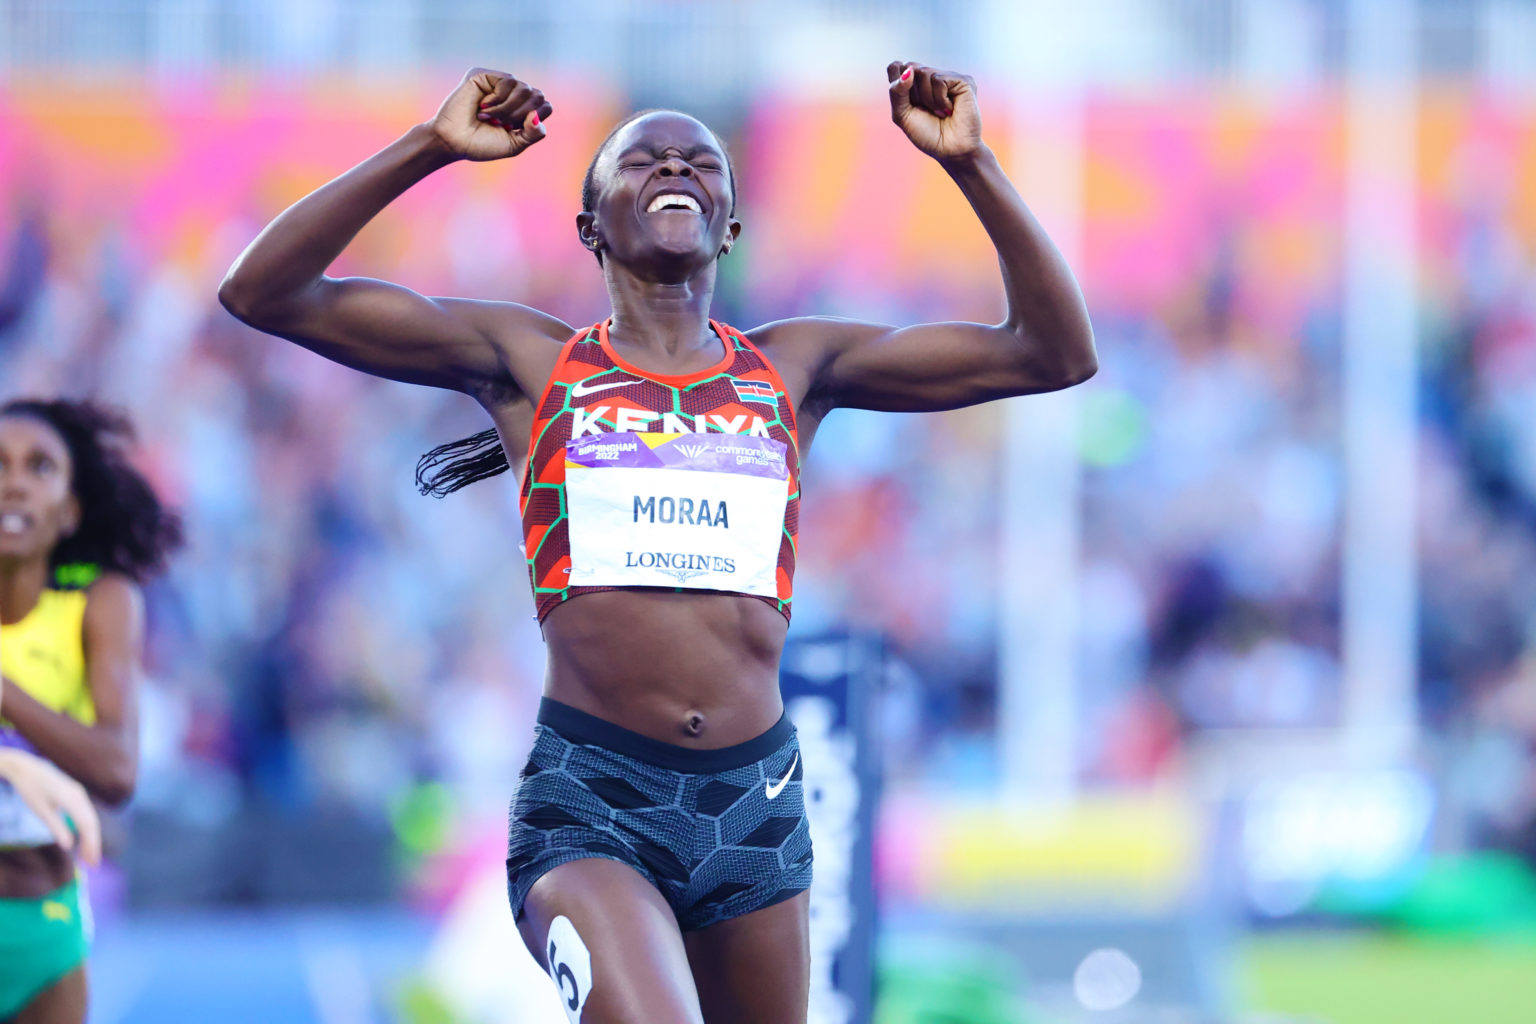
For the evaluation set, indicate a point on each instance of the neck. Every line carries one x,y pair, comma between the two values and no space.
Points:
663,317
21,584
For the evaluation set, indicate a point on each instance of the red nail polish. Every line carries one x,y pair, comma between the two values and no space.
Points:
906,74
533,122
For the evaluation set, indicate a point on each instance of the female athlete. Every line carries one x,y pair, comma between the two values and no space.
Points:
79,530
659,858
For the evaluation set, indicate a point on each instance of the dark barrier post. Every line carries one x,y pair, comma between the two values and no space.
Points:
829,685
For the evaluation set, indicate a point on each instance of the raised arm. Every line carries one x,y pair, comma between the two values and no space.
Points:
278,284
1044,344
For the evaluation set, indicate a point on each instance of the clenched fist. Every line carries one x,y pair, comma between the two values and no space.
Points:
937,109
491,116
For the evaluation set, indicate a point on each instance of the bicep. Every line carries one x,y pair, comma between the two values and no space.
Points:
928,367
114,645
390,331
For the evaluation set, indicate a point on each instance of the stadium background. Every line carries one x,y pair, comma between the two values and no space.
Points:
1226,659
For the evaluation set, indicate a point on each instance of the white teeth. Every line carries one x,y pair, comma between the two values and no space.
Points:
13,522
671,200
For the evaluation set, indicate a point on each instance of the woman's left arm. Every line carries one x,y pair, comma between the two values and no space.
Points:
103,757
1044,344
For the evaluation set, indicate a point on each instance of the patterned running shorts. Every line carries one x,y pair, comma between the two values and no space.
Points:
720,833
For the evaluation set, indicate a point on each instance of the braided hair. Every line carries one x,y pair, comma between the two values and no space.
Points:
123,527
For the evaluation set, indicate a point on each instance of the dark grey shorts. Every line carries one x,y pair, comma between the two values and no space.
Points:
720,833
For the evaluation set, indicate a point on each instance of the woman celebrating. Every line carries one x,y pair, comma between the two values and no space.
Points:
80,528
659,857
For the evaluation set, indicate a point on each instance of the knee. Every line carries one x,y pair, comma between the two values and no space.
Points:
598,981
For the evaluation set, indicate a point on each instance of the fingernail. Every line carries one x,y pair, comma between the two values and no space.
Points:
483,116
533,122
906,74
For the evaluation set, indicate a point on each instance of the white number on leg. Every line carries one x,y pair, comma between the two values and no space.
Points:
570,965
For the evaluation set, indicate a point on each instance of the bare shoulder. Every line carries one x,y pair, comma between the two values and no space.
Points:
526,340
810,342
114,601
811,333
508,323
802,347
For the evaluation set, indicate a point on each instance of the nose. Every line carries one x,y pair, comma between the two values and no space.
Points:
676,166
13,485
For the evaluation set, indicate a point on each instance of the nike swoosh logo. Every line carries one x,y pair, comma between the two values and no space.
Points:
581,387
772,789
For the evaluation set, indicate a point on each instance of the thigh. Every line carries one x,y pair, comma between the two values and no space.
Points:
63,1002
754,969
617,952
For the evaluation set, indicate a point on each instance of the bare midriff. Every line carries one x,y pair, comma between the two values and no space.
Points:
696,669
30,873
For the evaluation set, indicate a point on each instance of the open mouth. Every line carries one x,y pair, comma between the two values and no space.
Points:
673,201
12,523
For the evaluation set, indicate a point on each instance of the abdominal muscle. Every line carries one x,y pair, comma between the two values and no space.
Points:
697,669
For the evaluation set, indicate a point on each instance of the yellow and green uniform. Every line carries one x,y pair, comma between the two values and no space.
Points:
40,942
44,939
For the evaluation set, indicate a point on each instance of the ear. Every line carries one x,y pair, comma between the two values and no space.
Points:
732,233
586,230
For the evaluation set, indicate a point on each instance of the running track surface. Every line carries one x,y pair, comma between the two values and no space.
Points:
301,967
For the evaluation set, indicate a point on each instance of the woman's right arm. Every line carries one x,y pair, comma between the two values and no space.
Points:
279,285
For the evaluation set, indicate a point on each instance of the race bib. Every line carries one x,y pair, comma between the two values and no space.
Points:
18,825
701,511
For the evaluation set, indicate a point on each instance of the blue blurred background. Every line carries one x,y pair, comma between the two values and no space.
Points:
1210,686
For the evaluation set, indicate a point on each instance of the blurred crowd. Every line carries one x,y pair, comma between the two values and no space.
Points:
332,639
1477,505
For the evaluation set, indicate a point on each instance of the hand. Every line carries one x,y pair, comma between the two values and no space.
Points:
937,109
51,795
491,116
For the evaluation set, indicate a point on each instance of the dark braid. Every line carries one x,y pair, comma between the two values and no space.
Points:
460,463
123,526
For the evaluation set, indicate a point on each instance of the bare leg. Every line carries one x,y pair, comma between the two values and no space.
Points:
63,1002
755,969
638,968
